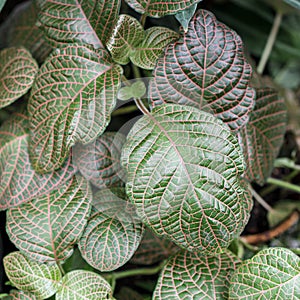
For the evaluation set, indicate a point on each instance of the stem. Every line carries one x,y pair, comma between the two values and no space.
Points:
136,71
141,106
124,110
283,184
260,200
270,43
143,19
62,271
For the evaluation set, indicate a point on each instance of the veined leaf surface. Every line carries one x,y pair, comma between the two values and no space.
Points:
78,21
184,167
40,279
206,68
21,295
19,182
17,73
262,137
273,273
113,232
71,101
81,285
195,276
159,8
46,228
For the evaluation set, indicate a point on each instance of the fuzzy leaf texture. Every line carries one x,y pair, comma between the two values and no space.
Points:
184,167
160,8
206,68
19,182
113,232
46,228
262,137
18,70
30,276
196,276
72,21
273,273
71,101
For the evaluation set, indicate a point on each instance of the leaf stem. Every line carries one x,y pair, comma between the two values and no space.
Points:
143,19
270,43
124,110
260,200
283,184
62,271
141,106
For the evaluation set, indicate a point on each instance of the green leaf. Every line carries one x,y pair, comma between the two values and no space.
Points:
152,47
206,68
40,279
195,276
294,3
184,167
113,232
19,182
72,21
136,90
18,70
273,273
184,17
2,2
71,101
262,137
159,8
21,295
99,161
127,34
82,285
46,228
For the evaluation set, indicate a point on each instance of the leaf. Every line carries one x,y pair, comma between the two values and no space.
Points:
31,276
99,161
195,276
19,183
206,68
184,17
18,70
72,98
294,3
152,47
78,21
46,228
2,2
21,295
184,167
262,137
273,273
136,90
80,284
159,8
126,36
113,232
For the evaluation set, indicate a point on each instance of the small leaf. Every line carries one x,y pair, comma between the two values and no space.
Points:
262,137
81,285
136,90
184,167
184,17
40,279
159,8
46,228
21,295
152,47
206,68
113,232
18,70
71,101
195,276
72,21
273,273
294,3
127,34
19,183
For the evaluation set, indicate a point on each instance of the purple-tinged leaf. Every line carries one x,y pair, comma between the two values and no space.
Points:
206,68
17,73
19,181
71,101
262,137
46,228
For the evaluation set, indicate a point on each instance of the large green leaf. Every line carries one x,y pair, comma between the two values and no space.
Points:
78,21
19,181
40,279
83,285
21,295
195,276
46,228
184,167
273,273
206,68
113,232
262,137
159,8
18,70
99,161
71,101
